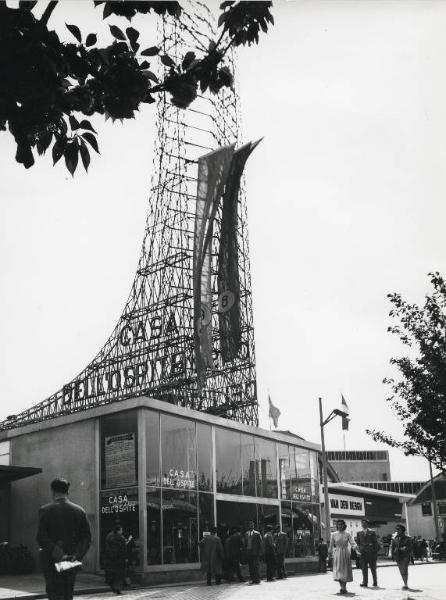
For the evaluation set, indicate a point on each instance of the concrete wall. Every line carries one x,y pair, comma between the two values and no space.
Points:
420,524
66,451
356,470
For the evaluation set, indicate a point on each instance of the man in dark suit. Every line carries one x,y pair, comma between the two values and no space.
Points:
368,547
253,543
63,534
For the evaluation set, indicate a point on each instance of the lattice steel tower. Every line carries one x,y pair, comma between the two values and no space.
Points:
151,350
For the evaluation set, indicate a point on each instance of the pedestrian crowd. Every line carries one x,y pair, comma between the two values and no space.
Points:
224,560
366,546
64,538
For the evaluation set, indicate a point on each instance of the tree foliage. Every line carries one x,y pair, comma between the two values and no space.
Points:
48,86
419,396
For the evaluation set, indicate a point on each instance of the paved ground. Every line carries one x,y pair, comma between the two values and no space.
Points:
427,582
20,586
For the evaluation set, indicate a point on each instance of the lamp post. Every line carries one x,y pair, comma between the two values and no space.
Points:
334,413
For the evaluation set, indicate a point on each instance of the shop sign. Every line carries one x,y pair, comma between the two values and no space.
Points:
300,493
117,503
178,478
346,505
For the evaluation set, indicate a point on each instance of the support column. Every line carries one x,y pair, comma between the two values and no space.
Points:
142,478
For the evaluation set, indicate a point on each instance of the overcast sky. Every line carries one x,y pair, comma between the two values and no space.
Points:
346,204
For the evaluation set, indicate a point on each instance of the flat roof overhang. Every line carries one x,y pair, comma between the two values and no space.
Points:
359,490
142,402
10,473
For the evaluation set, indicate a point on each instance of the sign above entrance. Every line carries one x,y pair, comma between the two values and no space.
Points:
346,505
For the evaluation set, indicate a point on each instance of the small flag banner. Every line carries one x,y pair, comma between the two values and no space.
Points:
345,408
274,413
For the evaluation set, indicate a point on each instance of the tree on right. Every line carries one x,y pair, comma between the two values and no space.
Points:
418,396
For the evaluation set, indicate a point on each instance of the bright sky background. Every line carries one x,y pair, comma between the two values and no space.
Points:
346,203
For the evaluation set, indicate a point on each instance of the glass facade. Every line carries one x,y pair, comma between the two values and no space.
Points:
118,502
192,483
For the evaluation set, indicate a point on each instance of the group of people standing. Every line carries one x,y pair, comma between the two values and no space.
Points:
366,547
224,560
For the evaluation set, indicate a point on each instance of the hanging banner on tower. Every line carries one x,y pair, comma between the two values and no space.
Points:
228,259
213,170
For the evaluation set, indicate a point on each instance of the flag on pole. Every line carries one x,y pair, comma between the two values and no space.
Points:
274,412
345,409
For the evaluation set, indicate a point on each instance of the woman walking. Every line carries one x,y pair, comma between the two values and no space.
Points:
341,544
115,559
401,552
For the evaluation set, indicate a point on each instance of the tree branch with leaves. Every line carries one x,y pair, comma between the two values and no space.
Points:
419,396
50,86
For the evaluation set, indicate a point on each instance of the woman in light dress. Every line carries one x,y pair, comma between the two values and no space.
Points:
341,544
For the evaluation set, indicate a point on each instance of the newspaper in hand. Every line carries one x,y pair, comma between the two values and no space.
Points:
67,565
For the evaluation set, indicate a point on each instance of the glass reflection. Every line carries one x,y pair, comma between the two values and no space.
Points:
228,461
204,456
266,472
152,448
154,527
180,527
178,453
249,464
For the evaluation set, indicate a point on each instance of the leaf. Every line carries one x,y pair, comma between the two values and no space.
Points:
166,60
117,33
152,51
27,4
144,65
150,76
44,141
57,151
188,59
86,125
71,156
74,29
85,156
74,123
91,40
132,34
91,139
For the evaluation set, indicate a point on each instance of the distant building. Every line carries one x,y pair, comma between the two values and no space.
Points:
420,510
400,487
383,509
360,465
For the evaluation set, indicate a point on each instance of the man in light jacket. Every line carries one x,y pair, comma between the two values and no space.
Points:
253,543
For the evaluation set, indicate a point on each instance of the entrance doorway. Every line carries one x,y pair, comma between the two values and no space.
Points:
238,514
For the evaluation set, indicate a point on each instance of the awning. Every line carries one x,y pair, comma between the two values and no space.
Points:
10,473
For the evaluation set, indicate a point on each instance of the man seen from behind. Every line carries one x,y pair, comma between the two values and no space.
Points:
63,535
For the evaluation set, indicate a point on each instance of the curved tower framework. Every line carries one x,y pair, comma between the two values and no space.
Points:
151,350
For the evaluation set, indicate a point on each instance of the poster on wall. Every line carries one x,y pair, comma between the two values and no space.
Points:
120,460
